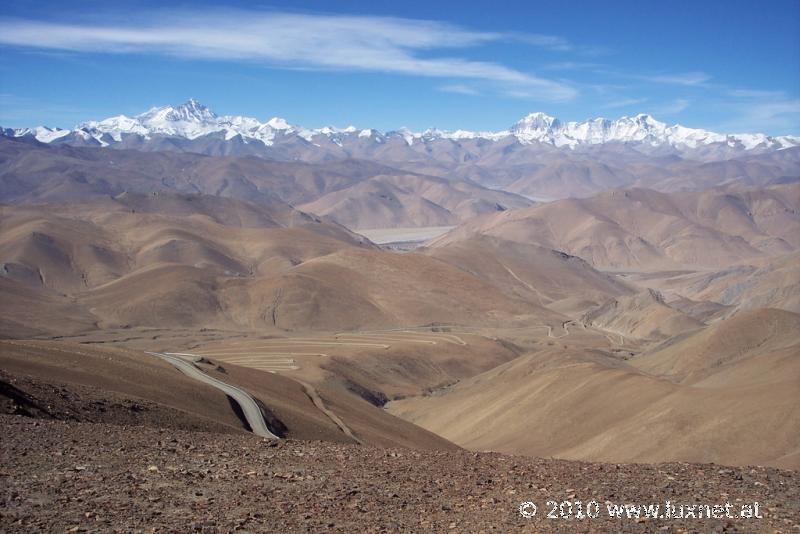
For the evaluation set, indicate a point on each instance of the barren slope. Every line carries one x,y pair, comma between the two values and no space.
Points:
772,282
532,272
199,261
583,404
411,200
644,229
89,380
361,194
94,483
359,288
644,315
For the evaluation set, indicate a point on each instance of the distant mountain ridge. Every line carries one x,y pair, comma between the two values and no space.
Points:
192,120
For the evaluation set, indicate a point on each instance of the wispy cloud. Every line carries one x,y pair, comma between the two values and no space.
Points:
761,110
687,78
18,111
573,65
671,108
460,89
625,102
364,43
552,42
755,93
771,116
770,110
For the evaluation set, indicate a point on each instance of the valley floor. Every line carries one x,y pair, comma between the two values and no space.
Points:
59,476
382,236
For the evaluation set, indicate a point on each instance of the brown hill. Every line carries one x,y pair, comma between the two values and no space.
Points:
79,245
358,288
583,404
144,259
772,282
530,272
92,381
644,316
743,341
178,261
644,229
410,200
29,312
379,196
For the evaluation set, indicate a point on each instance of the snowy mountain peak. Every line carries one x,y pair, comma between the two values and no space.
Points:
279,124
645,121
192,120
189,111
535,121
193,110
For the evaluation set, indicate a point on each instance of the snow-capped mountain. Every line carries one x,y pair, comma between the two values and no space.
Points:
189,121
192,121
641,128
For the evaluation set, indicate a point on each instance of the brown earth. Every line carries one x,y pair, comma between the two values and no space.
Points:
392,201
80,376
644,229
70,476
196,261
725,394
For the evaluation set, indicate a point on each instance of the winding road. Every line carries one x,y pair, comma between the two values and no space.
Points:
247,403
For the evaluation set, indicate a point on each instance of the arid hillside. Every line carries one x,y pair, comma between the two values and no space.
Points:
124,477
201,261
551,278
642,315
641,229
358,193
111,385
769,282
404,201
726,394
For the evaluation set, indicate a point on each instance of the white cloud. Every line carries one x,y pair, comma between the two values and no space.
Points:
671,108
687,78
755,93
378,44
625,102
772,115
574,65
17,112
545,41
756,110
460,89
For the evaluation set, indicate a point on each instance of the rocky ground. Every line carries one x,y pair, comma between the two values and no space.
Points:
31,397
77,476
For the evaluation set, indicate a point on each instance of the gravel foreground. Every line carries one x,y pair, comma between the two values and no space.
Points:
83,477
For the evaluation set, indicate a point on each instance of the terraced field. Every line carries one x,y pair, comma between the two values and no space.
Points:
290,354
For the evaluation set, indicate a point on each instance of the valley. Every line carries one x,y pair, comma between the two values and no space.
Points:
528,297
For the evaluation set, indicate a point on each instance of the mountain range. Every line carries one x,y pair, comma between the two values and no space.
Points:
193,121
665,291
539,157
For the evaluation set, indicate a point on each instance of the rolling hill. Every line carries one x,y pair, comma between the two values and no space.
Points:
353,191
640,229
194,260
585,404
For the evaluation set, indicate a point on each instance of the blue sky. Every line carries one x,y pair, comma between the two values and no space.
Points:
731,66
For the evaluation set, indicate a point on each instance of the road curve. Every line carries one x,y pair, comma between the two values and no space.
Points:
248,404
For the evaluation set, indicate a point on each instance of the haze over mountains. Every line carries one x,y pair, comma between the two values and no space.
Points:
540,156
